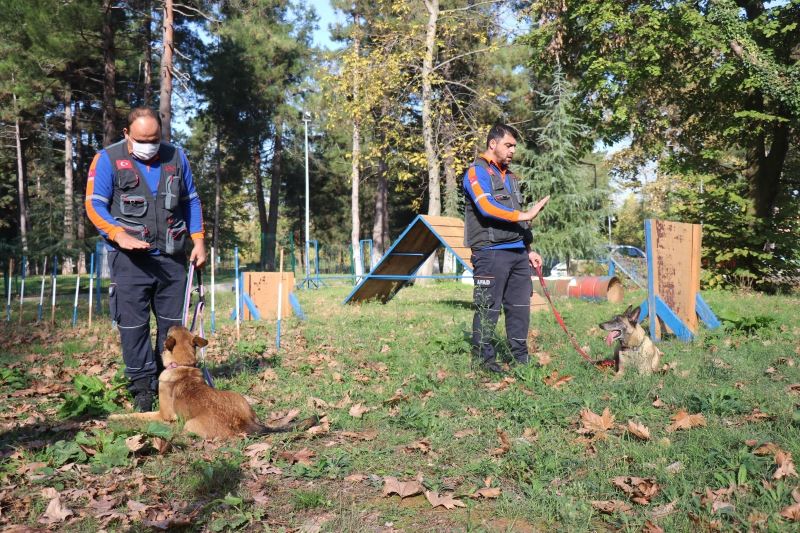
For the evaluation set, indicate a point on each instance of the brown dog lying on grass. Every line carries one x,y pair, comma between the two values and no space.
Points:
634,349
209,413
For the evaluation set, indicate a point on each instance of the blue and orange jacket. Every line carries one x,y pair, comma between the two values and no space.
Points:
100,187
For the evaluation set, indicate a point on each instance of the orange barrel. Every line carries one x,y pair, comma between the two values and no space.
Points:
596,288
558,287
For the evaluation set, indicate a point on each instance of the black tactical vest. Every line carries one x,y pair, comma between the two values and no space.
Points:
158,221
481,231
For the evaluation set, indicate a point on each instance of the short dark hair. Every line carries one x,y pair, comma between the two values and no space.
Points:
139,112
499,131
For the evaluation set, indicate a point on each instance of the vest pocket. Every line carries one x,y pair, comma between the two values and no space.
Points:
134,229
127,179
132,205
176,236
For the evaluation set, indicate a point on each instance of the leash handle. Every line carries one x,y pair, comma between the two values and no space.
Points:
560,320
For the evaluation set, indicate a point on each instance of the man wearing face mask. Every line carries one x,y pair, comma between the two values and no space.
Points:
141,198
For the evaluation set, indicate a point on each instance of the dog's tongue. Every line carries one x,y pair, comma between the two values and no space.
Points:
610,338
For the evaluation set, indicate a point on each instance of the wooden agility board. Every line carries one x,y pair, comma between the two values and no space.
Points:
262,287
676,249
420,239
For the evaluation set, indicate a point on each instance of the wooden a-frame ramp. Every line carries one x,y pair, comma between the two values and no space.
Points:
400,263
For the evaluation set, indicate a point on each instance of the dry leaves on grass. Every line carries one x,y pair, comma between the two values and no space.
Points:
793,511
398,397
404,489
663,510
422,445
611,506
302,456
543,358
486,493
370,434
639,431
597,425
282,418
768,448
56,511
505,444
501,385
785,465
441,375
640,490
344,402
358,410
683,420
463,433
556,381
135,442
658,404
444,500
322,427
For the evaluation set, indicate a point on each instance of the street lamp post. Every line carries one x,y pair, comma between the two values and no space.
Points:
307,281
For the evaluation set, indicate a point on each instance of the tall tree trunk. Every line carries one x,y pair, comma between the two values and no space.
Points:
765,168
355,177
80,218
147,93
69,193
451,193
165,102
22,187
434,185
109,76
274,195
217,198
262,206
381,224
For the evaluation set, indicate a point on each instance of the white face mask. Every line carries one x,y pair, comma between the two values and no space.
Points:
144,151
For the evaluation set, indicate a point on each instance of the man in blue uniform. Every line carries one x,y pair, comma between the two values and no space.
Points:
141,198
497,231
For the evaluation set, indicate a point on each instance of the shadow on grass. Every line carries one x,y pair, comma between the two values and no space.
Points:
38,435
244,364
459,304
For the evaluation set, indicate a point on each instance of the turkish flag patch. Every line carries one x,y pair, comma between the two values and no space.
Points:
123,163
170,168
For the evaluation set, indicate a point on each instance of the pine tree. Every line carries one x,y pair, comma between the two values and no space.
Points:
569,225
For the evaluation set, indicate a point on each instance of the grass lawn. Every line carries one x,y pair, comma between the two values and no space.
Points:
401,400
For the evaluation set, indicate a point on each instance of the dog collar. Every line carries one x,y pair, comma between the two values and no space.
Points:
176,365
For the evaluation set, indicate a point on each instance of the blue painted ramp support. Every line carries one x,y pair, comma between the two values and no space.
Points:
408,253
245,300
662,310
296,306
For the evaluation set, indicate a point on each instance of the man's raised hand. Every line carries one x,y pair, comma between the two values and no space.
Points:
531,213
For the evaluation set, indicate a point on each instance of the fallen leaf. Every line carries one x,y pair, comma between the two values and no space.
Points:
257,449
445,500
162,446
317,403
337,377
638,430
792,512
611,506
360,435
768,448
663,510
403,489
556,381
269,375
794,388
281,419
757,415
639,490
596,424
355,478
397,398
55,512
785,465
323,427
505,444
683,420
135,442
544,358
501,385
657,403
303,456
358,410
385,348
344,402
530,435
463,433
423,445
441,375
674,468
486,492
650,527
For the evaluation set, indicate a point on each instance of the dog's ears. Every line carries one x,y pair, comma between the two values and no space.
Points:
633,316
627,311
169,344
199,341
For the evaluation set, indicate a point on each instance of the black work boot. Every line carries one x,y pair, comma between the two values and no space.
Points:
143,401
522,359
491,366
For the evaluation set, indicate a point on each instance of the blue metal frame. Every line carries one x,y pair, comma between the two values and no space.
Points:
413,275
661,309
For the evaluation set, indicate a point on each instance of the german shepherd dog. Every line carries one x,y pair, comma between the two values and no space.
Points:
209,413
634,348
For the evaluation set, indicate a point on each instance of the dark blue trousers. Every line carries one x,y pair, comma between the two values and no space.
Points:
141,283
502,281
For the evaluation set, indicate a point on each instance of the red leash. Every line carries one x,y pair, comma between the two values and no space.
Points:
564,326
